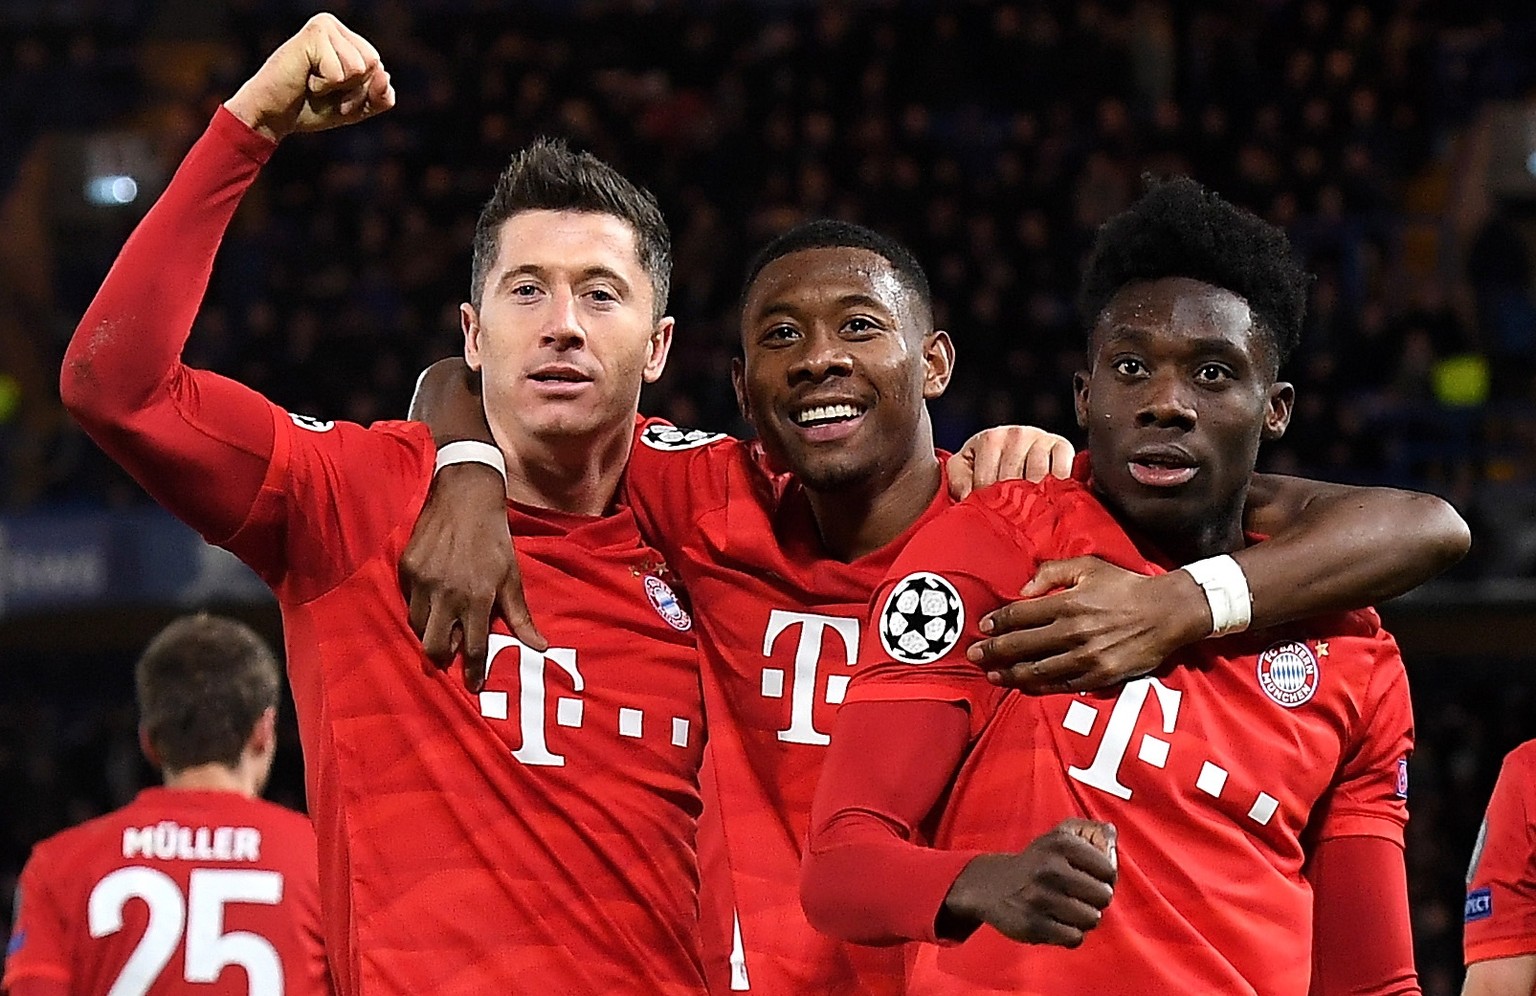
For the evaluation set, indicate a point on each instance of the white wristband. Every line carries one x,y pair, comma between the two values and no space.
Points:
470,451
1226,591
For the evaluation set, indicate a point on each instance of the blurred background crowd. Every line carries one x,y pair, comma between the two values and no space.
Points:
1394,140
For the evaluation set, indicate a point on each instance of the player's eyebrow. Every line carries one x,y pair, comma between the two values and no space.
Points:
1134,336
845,301
546,275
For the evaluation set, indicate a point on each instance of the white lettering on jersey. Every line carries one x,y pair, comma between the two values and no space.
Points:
1104,772
209,947
532,695
168,841
804,684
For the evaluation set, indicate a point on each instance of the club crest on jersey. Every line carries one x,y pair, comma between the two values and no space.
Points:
669,438
922,619
1288,673
311,423
665,602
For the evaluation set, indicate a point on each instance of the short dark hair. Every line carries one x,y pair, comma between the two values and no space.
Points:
828,233
203,682
1181,229
548,176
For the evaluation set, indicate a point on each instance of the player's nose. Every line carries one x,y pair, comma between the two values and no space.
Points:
1166,401
563,329
823,354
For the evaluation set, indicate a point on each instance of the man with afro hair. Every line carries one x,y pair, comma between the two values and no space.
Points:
1231,822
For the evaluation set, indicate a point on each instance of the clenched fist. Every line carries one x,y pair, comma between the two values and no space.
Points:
1052,892
325,76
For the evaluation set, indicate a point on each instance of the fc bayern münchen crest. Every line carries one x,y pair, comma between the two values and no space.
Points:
666,604
669,437
922,619
1288,673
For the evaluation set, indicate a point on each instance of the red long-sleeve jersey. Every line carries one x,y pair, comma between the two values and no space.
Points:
536,837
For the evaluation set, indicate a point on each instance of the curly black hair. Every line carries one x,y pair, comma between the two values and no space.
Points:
828,233
1181,229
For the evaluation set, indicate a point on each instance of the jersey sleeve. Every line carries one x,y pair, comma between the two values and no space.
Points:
195,441
962,565
1369,796
39,944
333,493
674,476
1501,882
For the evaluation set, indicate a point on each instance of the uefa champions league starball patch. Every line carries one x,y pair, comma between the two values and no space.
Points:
922,619
669,438
311,423
665,602
1288,673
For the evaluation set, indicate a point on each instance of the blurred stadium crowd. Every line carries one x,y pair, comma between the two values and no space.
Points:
1387,137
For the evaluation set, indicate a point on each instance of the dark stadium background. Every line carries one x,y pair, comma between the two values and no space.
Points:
1395,141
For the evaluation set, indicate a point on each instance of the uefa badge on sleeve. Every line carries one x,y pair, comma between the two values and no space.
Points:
1288,673
922,619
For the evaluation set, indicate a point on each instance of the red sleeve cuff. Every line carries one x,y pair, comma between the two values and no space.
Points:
1500,947
240,137
1363,825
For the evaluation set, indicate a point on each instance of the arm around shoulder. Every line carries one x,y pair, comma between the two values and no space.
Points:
1333,547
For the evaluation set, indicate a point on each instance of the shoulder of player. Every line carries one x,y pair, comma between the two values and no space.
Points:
663,440
62,848
1521,764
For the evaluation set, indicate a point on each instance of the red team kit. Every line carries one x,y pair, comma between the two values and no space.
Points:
1249,750
166,893
1501,882
549,823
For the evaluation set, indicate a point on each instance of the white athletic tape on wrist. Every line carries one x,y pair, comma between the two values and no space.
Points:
1226,592
470,451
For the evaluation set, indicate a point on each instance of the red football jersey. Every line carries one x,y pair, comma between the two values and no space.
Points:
179,889
1221,768
778,623
536,837
1501,882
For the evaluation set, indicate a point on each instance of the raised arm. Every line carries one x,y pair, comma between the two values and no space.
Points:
1331,548
176,429
460,562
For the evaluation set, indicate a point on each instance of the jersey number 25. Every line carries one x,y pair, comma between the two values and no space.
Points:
200,916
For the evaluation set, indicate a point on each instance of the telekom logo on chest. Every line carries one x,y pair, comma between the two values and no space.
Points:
804,684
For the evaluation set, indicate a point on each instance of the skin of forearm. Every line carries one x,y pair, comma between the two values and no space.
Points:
1344,548
448,400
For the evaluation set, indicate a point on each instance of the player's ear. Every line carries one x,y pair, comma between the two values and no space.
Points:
1277,409
469,321
148,747
739,385
658,348
938,363
263,739
1080,397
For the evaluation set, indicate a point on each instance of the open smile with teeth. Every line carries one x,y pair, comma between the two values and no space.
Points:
825,414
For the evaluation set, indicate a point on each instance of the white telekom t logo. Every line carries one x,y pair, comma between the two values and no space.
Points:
531,698
1104,772
802,689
